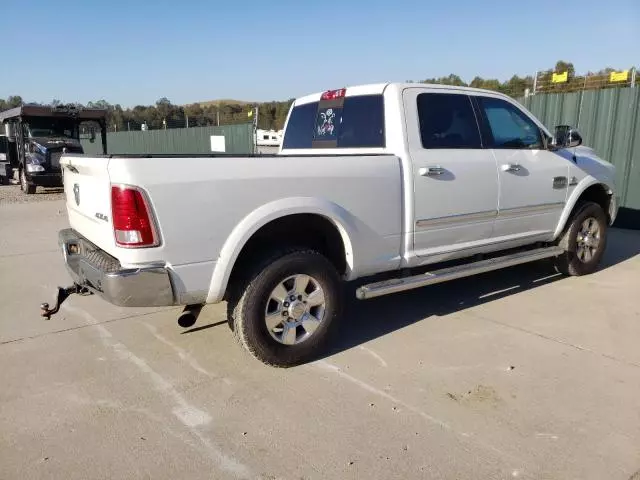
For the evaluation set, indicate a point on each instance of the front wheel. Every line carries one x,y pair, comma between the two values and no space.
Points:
287,308
584,241
25,186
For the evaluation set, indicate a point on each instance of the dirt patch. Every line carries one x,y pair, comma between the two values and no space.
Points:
478,395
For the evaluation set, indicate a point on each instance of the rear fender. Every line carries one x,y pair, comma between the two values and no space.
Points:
341,218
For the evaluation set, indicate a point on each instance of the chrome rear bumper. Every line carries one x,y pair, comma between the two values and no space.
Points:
94,269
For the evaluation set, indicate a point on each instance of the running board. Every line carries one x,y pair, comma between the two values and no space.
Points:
395,285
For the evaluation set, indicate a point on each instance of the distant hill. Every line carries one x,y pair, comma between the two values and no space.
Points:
216,103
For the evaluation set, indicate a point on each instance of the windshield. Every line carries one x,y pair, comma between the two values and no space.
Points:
52,128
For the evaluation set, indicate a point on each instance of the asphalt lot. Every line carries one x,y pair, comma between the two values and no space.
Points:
513,374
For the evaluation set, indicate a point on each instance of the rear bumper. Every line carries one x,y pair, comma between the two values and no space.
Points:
102,274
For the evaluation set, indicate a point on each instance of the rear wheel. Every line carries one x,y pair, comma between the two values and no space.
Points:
287,308
584,240
25,186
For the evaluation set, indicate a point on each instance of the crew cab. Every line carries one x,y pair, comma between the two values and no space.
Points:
402,185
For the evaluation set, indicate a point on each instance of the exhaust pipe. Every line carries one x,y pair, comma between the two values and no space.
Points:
189,316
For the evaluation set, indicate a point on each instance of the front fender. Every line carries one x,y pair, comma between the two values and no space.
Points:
579,189
344,221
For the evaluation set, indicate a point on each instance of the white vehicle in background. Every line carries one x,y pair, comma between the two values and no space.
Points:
390,179
267,138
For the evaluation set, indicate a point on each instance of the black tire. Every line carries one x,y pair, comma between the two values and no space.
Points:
25,186
571,263
247,311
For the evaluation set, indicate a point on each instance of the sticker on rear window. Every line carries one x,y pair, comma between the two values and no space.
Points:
326,124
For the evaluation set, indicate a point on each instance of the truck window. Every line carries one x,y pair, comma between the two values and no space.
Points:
509,127
447,121
357,123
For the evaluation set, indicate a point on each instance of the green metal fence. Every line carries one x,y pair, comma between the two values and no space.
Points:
609,122
238,139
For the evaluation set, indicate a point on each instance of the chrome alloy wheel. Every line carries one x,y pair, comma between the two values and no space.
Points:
295,309
588,240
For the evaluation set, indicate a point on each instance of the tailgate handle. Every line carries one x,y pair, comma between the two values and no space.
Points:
71,168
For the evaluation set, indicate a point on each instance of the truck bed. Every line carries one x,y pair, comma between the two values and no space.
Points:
208,203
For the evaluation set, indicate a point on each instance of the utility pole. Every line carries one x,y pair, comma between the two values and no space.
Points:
187,118
255,132
218,118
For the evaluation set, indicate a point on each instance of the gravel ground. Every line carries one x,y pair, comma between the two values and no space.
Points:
13,194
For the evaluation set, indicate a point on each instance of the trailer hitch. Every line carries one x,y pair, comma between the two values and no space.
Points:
63,294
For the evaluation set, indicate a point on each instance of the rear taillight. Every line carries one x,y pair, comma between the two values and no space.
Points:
132,222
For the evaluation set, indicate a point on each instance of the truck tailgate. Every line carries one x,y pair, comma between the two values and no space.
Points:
88,197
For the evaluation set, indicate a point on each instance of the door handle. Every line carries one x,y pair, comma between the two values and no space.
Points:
431,171
511,167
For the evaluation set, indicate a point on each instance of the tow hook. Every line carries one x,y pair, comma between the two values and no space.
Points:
63,294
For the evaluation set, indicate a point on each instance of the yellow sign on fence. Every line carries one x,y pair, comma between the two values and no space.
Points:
619,76
560,77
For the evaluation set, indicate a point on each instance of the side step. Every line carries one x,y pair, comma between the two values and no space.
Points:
395,285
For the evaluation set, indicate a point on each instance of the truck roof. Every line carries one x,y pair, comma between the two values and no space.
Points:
379,88
48,111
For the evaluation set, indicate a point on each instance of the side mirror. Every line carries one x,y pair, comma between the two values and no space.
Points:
92,134
566,137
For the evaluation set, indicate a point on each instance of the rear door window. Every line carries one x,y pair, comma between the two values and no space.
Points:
354,122
447,121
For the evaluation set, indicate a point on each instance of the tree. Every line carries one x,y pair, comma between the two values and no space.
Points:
450,79
14,101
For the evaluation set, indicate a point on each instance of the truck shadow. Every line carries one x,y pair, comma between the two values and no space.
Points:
366,320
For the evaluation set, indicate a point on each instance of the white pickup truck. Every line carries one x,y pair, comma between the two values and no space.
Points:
377,179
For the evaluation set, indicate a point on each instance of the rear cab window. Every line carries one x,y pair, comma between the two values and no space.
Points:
337,121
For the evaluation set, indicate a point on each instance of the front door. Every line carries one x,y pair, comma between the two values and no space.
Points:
455,180
533,180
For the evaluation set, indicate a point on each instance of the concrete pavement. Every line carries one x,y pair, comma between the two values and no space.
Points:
512,374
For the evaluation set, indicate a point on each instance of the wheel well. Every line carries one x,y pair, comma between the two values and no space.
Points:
599,194
300,230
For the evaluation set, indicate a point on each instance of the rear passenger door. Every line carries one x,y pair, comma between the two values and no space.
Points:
455,180
533,180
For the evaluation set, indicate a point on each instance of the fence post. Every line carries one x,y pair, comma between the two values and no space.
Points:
633,76
584,87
